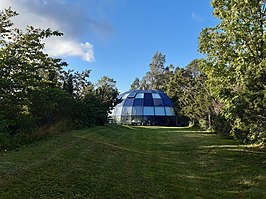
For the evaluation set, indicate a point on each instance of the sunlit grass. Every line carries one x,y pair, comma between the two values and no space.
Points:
133,162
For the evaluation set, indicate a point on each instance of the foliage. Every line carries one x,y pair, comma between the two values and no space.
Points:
35,91
106,93
235,49
157,77
77,83
50,105
136,84
191,96
24,68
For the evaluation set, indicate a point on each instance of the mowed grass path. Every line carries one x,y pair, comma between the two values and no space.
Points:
133,162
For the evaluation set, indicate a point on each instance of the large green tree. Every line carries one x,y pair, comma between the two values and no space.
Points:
237,73
158,75
157,70
24,67
191,96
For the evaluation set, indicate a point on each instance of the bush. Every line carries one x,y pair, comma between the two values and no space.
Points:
221,125
203,124
9,141
3,125
51,105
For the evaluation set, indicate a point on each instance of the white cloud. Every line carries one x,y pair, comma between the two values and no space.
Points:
67,47
88,53
197,17
66,16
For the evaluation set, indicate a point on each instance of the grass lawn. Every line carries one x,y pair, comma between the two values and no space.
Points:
133,162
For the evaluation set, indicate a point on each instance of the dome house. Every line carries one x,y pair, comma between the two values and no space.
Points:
144,107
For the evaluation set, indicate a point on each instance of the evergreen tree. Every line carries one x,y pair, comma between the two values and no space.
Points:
157,71
135,85
157,77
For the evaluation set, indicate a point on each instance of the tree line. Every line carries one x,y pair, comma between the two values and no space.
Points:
226,90
36,91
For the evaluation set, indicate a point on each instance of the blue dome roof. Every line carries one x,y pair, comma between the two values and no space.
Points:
150,107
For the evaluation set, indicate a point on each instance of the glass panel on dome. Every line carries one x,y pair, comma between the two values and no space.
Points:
158,102
122,94
120,103
159,111
163,96
153,91
147,96
147,110
160,92
132,94
148,102
138,102
125,96
137,120
170,111
129,102
168,102
126,119
160,120
137,110
118,110
148,120
171,121
156,96
127,110
139,95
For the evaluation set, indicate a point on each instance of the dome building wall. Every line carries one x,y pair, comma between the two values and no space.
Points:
144,107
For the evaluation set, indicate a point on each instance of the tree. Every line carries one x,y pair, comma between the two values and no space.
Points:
157,77
167,75
157,70
191,96
68,82
24,67
76,83
135,85
235,49
106,93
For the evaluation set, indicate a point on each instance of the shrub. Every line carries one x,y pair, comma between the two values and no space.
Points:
221,125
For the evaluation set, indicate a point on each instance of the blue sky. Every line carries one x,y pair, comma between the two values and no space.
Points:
118,38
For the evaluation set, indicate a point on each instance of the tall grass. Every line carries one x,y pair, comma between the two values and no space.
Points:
11,142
